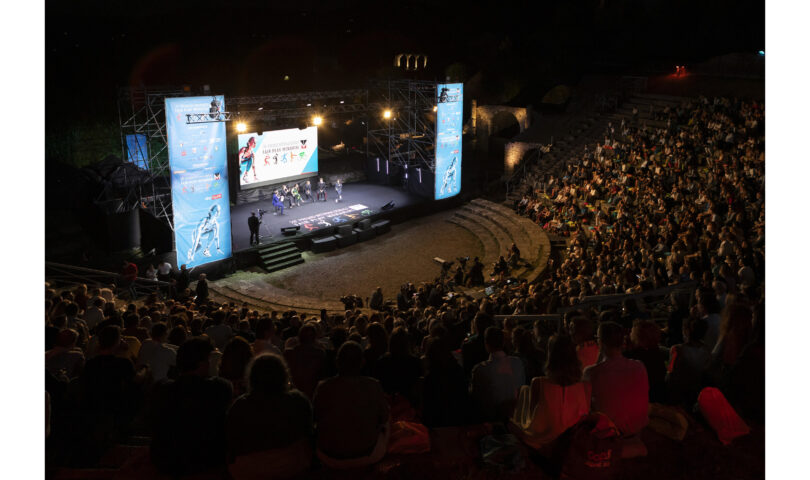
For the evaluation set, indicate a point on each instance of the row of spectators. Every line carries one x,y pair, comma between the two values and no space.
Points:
218,387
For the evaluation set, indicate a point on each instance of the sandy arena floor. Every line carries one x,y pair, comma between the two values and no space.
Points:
404,254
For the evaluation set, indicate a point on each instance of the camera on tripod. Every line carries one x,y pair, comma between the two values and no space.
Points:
261,213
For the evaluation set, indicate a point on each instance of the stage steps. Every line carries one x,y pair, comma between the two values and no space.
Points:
279,256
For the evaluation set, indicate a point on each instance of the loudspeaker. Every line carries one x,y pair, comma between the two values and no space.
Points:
290,231
388,206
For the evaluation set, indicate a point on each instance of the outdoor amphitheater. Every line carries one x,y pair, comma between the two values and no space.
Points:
353,254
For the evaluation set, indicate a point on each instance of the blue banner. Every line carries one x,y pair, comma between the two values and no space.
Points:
136,150
450,107
199,169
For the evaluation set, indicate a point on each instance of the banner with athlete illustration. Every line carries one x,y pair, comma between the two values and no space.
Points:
277,156
449,117
199,175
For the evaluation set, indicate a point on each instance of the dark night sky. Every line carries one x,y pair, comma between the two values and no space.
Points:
246,47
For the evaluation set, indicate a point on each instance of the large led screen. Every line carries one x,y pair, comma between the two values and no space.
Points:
450,105
199,169
278,156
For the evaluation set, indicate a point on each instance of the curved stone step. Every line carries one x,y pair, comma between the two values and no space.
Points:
485,237
503,236
533,230
509,221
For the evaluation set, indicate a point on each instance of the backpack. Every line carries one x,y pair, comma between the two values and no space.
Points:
591,449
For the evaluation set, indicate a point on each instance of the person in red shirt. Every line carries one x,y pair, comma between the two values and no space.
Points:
129,272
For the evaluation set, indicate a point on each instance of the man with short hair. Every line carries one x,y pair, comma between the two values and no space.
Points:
94,313
188,428
351,414
219,332
158,355
620,385
306,361
496,382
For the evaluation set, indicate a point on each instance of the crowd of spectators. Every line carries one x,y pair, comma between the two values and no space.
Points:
222,388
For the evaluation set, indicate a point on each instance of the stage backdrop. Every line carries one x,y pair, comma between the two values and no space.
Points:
450,103
198,163
278,156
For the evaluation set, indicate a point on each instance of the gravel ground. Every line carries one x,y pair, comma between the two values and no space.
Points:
404,254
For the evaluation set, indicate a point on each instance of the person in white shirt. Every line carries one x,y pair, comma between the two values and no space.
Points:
95,313
164,271
157,354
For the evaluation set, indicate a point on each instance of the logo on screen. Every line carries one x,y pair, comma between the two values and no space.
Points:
304,143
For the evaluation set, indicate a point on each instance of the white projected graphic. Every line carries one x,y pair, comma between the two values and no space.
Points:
277,156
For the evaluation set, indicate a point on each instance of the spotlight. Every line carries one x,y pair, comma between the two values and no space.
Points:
761,53
286,78
317,120
341,102
387,114
435,108
241,127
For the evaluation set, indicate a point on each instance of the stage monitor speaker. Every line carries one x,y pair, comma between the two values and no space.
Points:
388,206
290,231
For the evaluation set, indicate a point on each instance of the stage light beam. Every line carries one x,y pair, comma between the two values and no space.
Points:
317,120
387,114
241,127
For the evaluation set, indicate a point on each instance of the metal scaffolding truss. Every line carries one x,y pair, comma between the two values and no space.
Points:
141,111
408,137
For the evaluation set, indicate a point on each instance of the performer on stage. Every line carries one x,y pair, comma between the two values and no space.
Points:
296,196
308,191
207,226
285,192
246,159
278,203
253,224
339,190
321,189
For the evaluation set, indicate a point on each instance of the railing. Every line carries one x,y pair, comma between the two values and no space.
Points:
613,299
59,274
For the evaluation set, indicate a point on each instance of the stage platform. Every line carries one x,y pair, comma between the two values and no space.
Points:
360,200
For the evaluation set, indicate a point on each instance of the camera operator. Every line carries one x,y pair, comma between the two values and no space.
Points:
253,224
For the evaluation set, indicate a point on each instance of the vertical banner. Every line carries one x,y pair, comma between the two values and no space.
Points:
199,169
136,150
450,106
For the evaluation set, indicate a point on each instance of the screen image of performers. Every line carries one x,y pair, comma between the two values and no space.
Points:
246,162
321,189
339,191
308,191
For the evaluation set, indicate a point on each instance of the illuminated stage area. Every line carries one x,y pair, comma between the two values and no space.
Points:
360,200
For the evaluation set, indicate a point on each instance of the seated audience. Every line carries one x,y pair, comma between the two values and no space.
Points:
351,414
495,382
620,387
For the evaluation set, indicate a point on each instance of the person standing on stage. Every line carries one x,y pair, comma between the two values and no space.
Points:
339,190
321,189
285,192
308,191
253,224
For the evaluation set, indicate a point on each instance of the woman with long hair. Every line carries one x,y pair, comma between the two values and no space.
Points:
555,402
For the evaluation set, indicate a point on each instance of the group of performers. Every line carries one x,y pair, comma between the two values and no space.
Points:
295,196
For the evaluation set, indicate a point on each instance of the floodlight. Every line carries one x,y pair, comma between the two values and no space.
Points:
241,127
387,114
317,120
